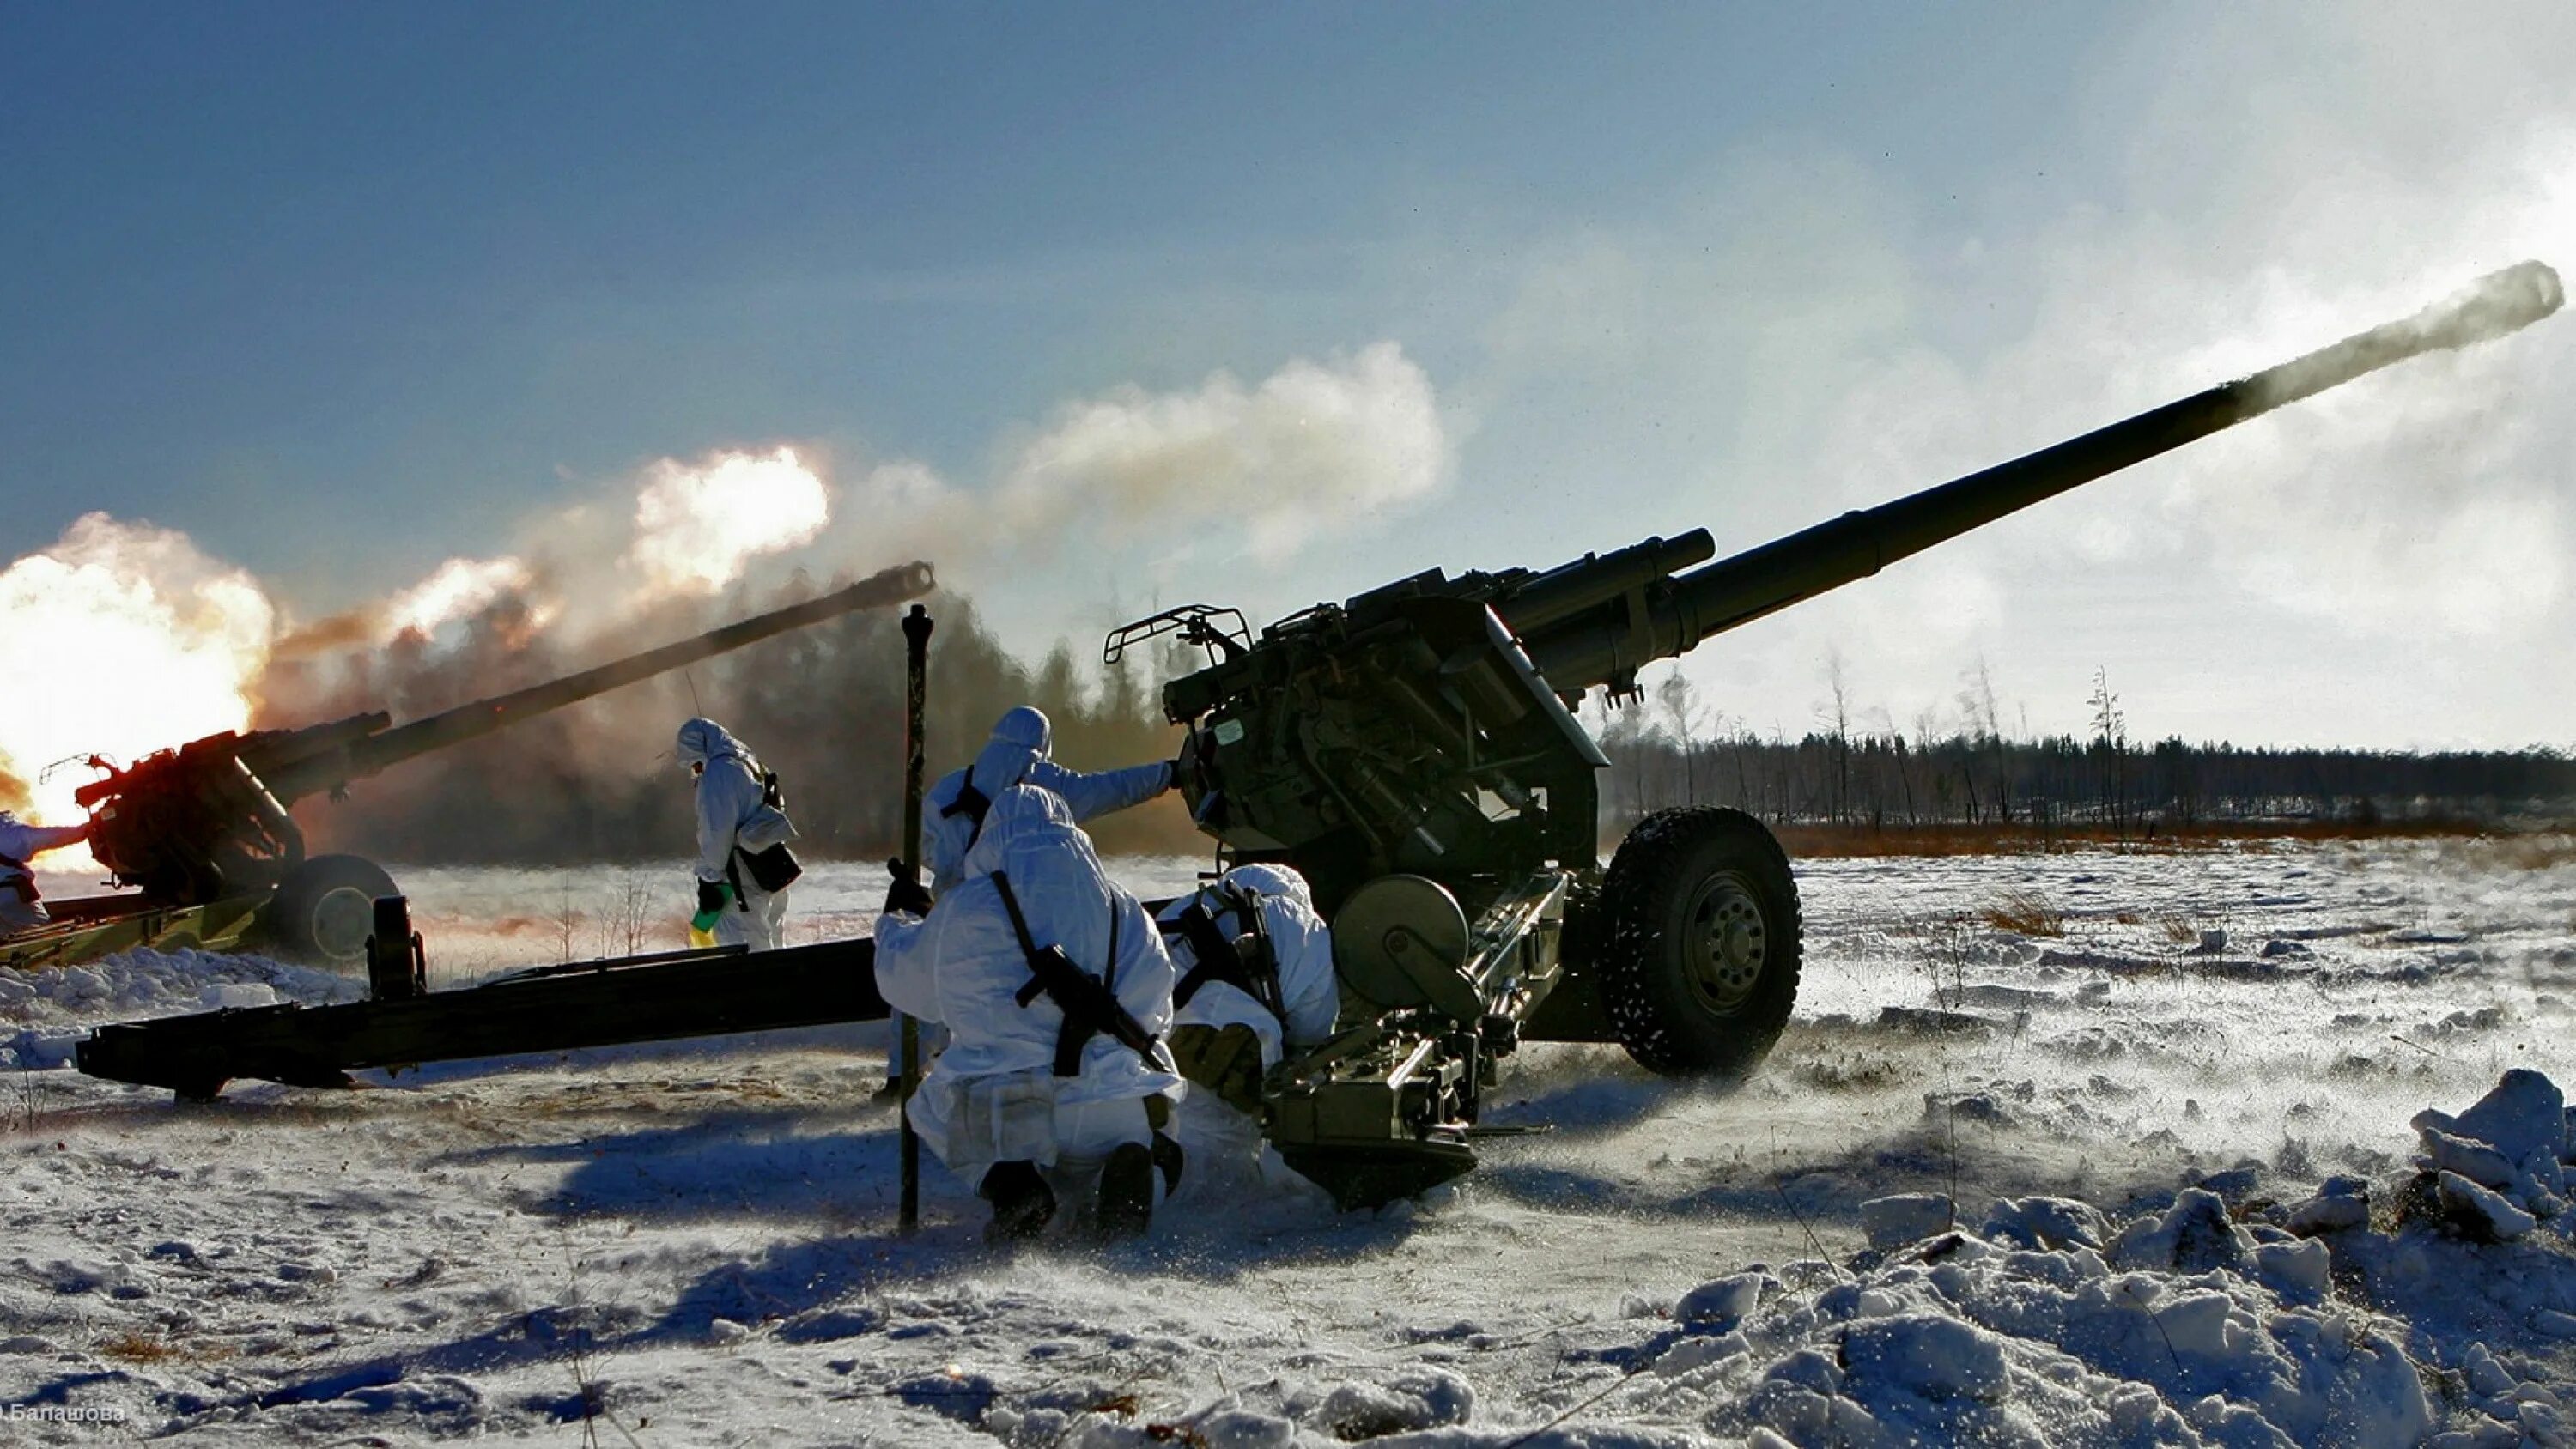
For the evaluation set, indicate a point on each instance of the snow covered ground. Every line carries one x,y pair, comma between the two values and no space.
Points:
693,1244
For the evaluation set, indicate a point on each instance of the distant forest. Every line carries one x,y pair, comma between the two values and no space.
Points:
823,707
1664,753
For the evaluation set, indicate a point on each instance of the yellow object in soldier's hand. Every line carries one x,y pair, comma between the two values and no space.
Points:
700,940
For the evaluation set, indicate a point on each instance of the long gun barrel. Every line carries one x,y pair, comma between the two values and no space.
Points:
299,774
1606,643
1411,752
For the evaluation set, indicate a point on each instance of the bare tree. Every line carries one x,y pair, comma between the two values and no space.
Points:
1674,697
568,920
1985,724
1839,690
2110,727
2110,745
627,921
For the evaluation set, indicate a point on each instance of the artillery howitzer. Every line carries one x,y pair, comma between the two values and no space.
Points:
1411,750
202,830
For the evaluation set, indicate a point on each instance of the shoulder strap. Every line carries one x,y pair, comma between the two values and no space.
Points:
1089,1006
1215,956
1209,949
1019,928
974,805
765,784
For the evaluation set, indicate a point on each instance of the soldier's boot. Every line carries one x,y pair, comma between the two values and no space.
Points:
1022,1202
1126,1192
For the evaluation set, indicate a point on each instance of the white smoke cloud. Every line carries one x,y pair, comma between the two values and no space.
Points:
2370,504
671,529
122,639
1314,448
456,589
698,524
1155,494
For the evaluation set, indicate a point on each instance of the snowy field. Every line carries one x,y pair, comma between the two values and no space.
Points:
2132,1074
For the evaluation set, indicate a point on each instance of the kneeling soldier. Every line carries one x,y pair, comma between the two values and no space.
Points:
1255,982
1054,988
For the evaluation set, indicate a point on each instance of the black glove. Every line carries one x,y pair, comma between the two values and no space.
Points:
906,895
712,896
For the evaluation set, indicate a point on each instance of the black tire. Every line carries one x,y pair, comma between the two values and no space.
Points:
324,912
1700,943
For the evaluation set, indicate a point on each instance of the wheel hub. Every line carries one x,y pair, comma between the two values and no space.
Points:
1728,942
342,921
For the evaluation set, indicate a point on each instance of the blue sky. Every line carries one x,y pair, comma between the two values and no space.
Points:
343,291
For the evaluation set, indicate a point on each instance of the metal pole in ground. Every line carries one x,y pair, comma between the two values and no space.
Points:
916,653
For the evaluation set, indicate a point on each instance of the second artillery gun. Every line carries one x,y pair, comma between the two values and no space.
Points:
1412,751
202,834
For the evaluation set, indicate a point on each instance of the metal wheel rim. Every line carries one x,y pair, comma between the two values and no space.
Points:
1726,942
341,921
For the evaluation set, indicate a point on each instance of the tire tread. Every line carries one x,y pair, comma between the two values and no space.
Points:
1637,986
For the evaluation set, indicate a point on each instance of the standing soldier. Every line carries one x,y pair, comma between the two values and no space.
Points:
744,866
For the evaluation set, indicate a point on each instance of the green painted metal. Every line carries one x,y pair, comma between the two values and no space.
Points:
1422,729
87,929
662,997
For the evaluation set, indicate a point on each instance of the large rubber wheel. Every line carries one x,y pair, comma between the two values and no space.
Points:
1698,965
324,912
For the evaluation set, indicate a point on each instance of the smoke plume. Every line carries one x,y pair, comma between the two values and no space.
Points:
190,646
696,527
1314,446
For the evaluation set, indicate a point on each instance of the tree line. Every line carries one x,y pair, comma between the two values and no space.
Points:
1664,753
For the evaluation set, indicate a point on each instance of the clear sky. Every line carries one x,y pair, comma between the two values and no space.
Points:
342,292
